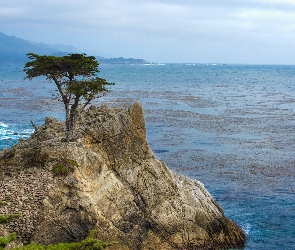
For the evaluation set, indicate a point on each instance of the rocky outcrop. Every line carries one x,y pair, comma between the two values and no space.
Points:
121,190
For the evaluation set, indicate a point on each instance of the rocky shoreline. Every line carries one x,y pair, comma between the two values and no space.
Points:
119,188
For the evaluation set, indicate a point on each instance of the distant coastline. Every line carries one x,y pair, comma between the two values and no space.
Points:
121,60
14,49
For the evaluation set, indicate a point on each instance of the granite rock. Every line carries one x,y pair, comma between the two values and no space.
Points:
121,190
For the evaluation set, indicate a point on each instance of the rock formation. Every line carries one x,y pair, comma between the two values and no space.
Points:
119,188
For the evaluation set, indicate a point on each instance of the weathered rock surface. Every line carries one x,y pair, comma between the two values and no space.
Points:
122,191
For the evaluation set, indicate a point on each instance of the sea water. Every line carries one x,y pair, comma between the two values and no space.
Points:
231,127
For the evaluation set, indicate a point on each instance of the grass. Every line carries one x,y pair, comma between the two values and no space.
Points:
4,241
89,243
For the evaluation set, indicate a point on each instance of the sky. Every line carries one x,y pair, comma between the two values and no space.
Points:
162,31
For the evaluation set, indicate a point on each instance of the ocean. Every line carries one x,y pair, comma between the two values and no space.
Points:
231,127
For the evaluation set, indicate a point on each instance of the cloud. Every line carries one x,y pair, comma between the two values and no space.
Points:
8,12
157,29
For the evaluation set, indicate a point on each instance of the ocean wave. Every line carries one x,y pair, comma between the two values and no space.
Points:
3,125
246,228
10,132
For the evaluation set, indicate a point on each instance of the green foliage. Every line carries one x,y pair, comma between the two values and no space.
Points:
56,67
64,166
34,158
8,218
75,78
88,88
90,243
4,241
31,246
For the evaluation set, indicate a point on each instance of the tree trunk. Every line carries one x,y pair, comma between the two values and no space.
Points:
71,114
69,124
70,130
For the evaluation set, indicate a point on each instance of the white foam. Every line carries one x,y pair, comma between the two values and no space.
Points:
27,131
247,228
6,133
3,125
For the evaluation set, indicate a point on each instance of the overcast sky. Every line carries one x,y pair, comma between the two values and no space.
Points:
200,31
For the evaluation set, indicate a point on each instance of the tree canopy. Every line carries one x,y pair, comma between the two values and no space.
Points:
75,76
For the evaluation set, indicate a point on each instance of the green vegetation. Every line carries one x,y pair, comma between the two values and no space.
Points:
90,243
4,241
64,166
75,78
34,158
8,218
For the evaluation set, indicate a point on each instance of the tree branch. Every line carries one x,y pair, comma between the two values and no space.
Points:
62,93
34,125
85,104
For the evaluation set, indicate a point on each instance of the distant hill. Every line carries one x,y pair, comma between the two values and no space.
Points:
14,49
121,60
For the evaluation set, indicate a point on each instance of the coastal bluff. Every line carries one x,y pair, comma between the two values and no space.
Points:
114,185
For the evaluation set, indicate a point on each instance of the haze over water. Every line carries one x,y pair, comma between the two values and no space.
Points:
231,127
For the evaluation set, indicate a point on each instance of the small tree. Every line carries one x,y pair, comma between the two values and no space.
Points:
75,78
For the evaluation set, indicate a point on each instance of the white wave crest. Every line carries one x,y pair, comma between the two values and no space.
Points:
10,133
3,125
247,228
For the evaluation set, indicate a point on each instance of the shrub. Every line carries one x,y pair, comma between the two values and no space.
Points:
64,166
4,241
34,158
90,243
8,218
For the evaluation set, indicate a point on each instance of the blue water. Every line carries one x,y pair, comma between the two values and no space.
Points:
230,126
